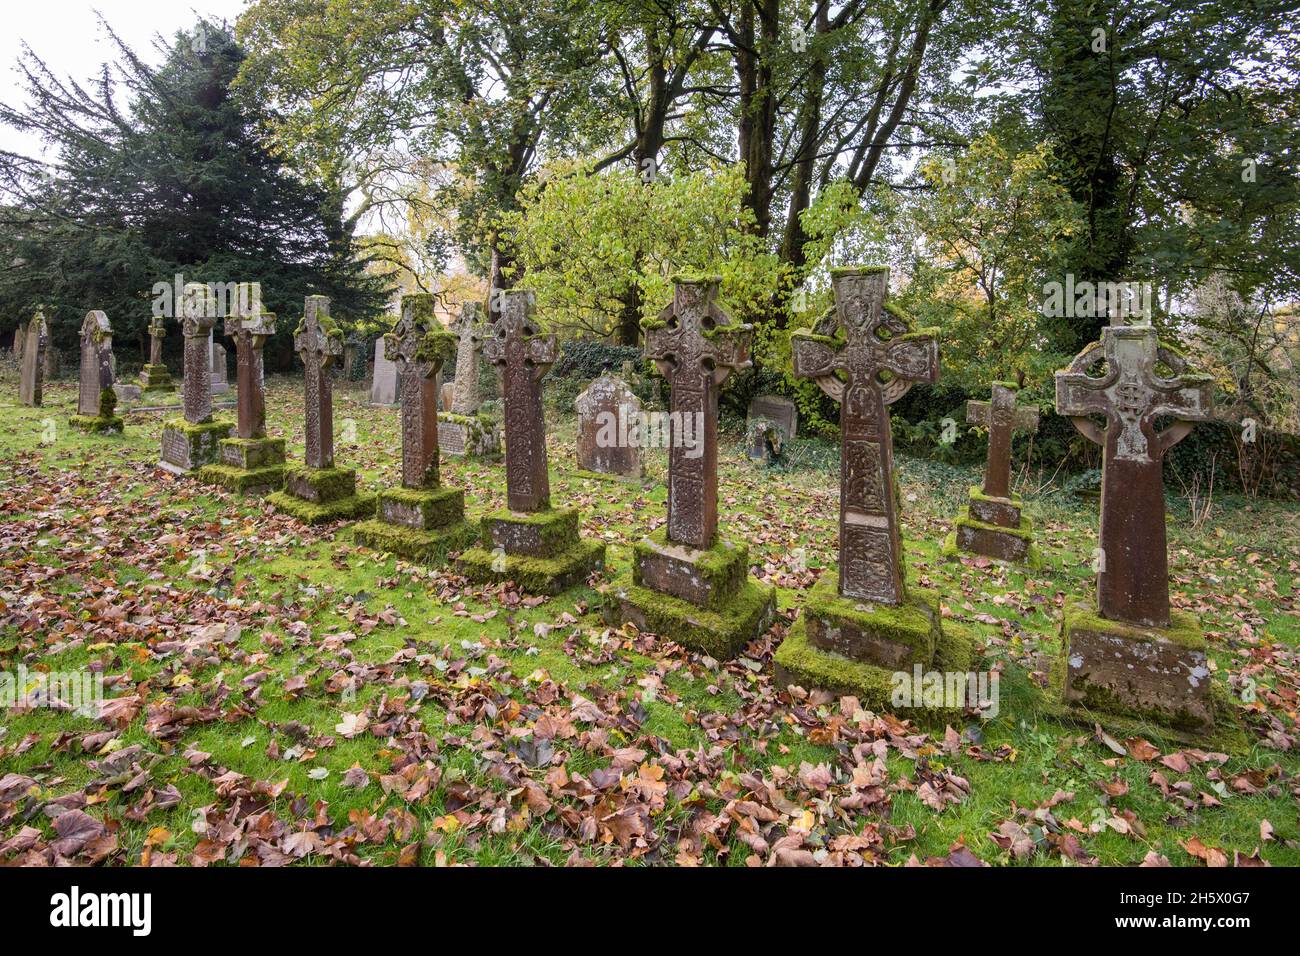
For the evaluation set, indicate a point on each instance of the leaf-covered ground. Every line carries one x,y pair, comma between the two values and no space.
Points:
278,695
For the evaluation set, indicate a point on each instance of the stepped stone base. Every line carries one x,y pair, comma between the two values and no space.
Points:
156,378
418,524
320,495
187,447
1150,673
541,551
995,528
98,424
701,599
249,466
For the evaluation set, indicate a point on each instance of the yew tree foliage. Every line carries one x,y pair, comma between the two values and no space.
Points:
152,172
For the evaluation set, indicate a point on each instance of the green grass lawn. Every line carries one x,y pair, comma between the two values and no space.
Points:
278,694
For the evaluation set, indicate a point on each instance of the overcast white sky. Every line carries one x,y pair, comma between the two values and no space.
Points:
69,37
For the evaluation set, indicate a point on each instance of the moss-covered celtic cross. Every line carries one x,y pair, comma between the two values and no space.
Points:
1002,417
319,343
157,332
862,355
250,332
469,341
1130,392
522,354
695,344
420,345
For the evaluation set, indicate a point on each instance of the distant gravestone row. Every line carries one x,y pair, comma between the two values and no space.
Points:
862,623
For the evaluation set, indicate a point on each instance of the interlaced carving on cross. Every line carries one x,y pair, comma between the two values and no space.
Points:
1133,575
695,344
863,355
419,345
1002,417
319,344
522,355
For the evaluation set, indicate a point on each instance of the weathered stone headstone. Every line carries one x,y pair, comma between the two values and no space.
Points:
320,491
96,400
688,584
1135,655
220,375
383,390
249,462
155,376
36,339
864,618
20,342
191,440
609,428
462,430
771,422
446,392
992,523
422,520
529,542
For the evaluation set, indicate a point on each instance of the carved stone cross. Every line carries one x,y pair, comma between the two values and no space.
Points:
867,366
157,332
197,319
523,356
96,362
250,333
1002,417
1133,573
319,343
469,333
419,345
695,345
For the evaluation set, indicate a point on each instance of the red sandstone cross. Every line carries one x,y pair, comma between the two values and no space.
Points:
319,344
250,333
1133,578
695,344
869,365
523,356
417,370
1002,417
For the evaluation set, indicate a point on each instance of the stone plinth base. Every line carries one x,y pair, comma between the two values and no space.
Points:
540,551
127,394
417,524
993,527
249,466
848,646
156,378
98,424
319,495
187,447
1149,673
468,436
704,600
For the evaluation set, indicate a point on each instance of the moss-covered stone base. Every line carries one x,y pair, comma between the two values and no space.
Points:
1148,673
422,509
719,632
469,436
893,637
994,541
156,378
414,544
188,446
244,481
98,424
535,575
320,495
537,534
707,578
798,663
251,453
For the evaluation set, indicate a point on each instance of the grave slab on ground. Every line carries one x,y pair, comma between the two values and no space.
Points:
319,491
250,462
96,400
422,520
463,430
191,440
687,583
529,542
862,623
1132,656
993,523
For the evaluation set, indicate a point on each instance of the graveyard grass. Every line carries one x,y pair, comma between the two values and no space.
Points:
107,561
